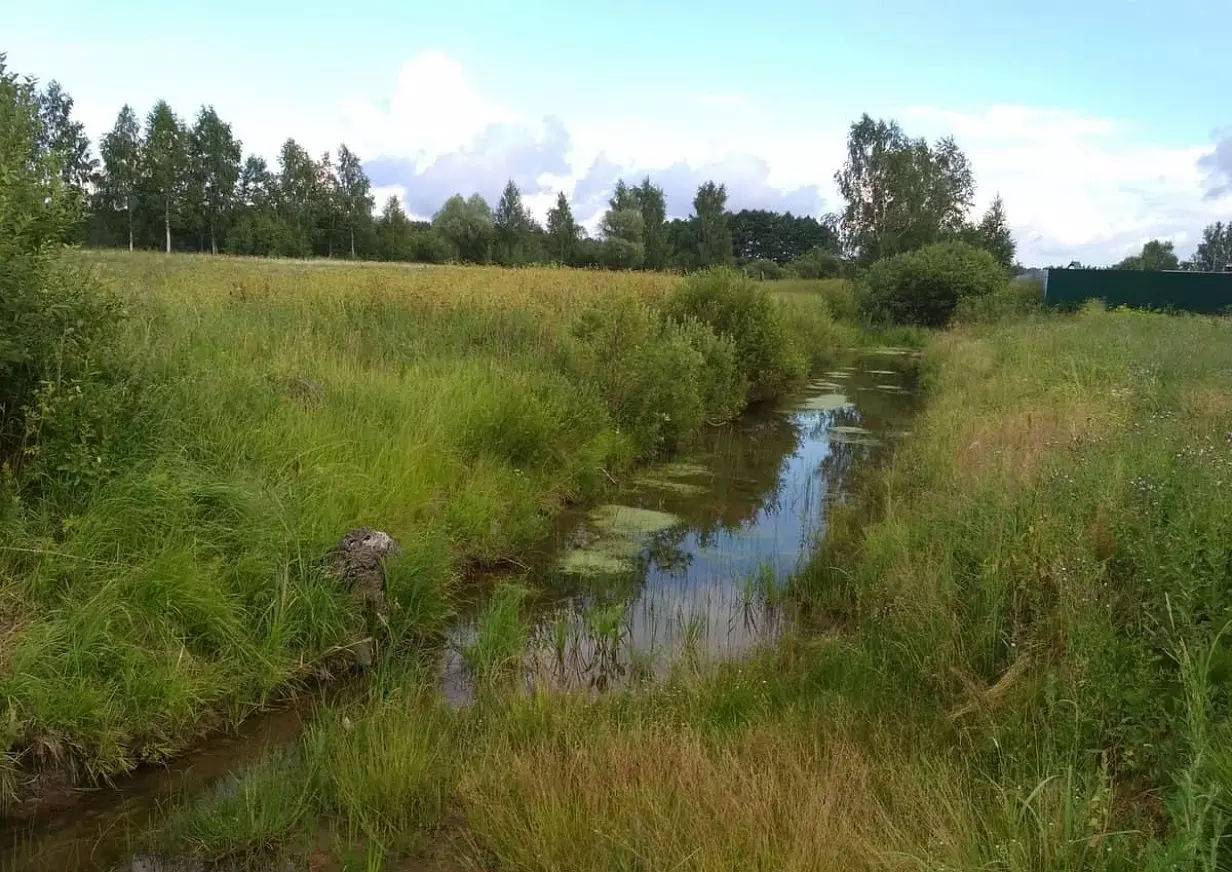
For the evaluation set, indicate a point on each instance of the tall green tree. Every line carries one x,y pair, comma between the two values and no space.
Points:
993,234
393,232
65,139
258,228
466,226
623,229
654,224
121,150
165,160
327,206
758,234
298,201
1157,254
512,227
215,156
623,197
714,239
1214,252
562,231
901,193
354,193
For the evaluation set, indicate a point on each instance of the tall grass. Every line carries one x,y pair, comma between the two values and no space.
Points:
162,550
1030,672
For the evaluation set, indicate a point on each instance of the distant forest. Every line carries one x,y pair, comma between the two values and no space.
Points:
163,182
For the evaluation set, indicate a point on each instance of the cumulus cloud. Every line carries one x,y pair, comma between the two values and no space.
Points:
1075,186
500,152
1218,166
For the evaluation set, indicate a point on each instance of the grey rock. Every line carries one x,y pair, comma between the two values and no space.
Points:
358,562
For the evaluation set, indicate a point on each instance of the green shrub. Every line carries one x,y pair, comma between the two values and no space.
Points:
817,263
1019,297
51,315
924,287
645,369
767,270
736,306
617,253
841,298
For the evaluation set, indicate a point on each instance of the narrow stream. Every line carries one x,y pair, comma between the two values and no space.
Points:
685,563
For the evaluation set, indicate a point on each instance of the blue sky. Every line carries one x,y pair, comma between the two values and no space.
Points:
1102,122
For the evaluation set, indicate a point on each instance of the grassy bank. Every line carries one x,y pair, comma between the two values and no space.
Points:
165,526
1019,661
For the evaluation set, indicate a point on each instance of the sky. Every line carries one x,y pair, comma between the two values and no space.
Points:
1102,123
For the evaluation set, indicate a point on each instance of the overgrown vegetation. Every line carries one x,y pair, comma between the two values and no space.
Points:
52,321
165,541
1022,664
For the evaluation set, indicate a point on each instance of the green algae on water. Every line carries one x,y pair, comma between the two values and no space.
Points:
628,521
666,485
825,403
680,470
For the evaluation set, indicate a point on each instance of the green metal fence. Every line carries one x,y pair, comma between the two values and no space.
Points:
1187,291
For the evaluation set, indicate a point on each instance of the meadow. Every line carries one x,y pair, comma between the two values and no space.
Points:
1014,655
166,527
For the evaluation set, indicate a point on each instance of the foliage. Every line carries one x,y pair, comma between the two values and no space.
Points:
741,309
924,287
994,236
64,139
52,317
164,158
654,224
563,232
758,234
513,229
214,159
1214,252
623,229
901,193
354,194
1019,297
766,270
467,226
714,239
122,152
1156,254
185,584
817,263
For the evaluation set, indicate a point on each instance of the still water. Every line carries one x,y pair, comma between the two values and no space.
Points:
687,563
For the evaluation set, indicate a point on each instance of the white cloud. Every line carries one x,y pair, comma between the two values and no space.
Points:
1075,186
433,110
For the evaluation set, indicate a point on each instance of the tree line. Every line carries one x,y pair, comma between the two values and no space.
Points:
163,182
185,184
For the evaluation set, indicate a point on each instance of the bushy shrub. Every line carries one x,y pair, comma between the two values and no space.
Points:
1017,298
735,306
644,369
766,270
817,263
924,287
50,313
841,297
617,253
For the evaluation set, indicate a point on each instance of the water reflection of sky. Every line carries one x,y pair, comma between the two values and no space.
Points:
754,512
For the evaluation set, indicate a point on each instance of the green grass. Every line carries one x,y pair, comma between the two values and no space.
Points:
1016,655
163,538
